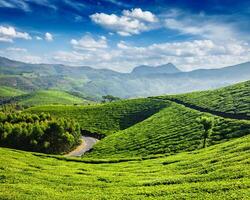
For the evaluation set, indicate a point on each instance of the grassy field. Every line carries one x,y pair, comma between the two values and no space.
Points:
231,99
9,92
217,172
106,118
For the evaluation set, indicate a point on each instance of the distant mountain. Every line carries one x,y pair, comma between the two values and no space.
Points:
141,82
161,69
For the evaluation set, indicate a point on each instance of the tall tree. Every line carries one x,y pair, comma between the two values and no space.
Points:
207,123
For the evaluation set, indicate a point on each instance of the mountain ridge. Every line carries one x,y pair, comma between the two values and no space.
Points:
98,82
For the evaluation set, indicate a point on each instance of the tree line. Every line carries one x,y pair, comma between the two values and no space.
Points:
38,132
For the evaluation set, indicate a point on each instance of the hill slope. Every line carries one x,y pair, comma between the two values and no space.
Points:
47,97
233,99
162,69
143,81
106,118
9,92
217,172
174,129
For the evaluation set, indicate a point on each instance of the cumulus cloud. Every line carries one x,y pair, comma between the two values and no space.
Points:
129,23
49,37
8,33
141,15
188,55
89,43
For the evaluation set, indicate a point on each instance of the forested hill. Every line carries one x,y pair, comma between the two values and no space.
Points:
143,81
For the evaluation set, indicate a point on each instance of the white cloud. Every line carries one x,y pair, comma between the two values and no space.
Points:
25,4
141,15
201,25
89,43
8,33
186,55
129,23
16,49
20,54
38,38
49,37
31,59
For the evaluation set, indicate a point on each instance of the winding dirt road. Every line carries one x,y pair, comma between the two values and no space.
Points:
86,145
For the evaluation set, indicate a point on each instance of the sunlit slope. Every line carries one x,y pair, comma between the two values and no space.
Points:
47,97
6,92
173,129
217,172
106,118
233,99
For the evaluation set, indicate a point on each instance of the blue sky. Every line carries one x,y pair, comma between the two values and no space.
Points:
120,35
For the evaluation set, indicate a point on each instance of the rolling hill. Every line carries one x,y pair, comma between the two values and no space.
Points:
105,118
217,172
166,128
48,97
6,92
152,150
141,82
232,99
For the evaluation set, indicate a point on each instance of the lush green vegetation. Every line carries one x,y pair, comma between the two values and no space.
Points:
105,118
231,99
217,172
9,92
47,97
156,149
173,129
39,133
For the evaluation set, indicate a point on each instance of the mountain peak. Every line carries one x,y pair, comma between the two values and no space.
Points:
168,68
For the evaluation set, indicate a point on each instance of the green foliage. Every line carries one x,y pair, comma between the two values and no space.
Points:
217,172
9,92
105,118
233,99
40,133
207,123
172,130
47,97
110,98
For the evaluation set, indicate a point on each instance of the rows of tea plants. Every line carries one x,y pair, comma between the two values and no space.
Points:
105,118
231,99
172,130
217,172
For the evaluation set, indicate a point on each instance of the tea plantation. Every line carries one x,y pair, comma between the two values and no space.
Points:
217,172
173,129
105,118
232,99
153,149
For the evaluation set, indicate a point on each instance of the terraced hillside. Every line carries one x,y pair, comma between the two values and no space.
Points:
48,97
233,99
6,92
173,129
106,118
217,172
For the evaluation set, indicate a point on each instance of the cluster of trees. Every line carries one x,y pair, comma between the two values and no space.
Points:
109,98
40,133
